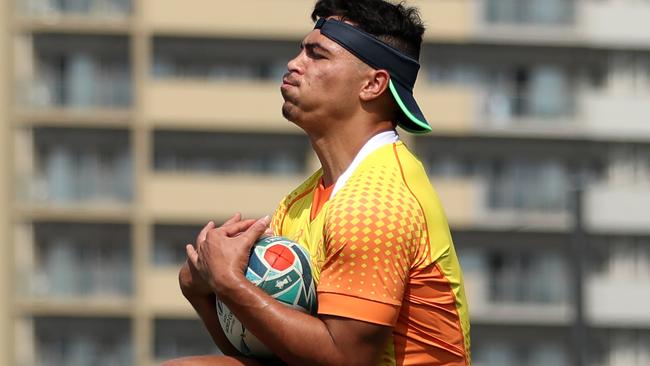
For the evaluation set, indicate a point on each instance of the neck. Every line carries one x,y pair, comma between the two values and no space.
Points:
337,149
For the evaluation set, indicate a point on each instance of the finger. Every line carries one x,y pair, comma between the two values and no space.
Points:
269,232
192,255
238,227
189,262
204,232
235,218
257,229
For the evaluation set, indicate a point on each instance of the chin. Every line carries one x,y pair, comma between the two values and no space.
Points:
287,112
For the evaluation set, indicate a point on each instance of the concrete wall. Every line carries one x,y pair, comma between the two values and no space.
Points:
615,22
618,302
618,208
609,115
6,264
198,198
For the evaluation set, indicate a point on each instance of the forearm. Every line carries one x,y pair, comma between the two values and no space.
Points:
295,337
205,307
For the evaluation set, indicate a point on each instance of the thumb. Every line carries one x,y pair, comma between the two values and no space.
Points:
257,229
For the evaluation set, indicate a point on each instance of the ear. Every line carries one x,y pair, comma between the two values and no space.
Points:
375,85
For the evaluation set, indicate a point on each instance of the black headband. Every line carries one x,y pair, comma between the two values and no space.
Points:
403,70
377,54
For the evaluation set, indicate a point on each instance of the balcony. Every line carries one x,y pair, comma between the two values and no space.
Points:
538,21
73,16
515,287
175,338
466,202
449,109
74,72
76,342
74,168
162,294
95,9
604,307
615,116
251,18
461,199
447,19
101,93
62,262
188,198
550,113
611,22
252,106
618,208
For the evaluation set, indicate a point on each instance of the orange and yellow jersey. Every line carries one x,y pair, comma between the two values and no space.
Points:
382,253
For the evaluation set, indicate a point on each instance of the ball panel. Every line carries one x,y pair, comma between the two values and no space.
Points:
291,295
279,257
276,285
256,265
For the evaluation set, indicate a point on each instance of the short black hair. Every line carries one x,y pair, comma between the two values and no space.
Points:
395,24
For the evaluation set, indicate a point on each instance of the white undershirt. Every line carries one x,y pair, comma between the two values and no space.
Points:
377,141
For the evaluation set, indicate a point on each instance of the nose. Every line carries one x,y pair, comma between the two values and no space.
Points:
295,65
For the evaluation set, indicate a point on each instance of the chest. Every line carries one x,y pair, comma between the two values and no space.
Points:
297,226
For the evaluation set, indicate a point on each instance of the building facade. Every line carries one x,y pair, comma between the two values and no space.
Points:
128,124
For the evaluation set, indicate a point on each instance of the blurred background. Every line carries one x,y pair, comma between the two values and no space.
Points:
125,125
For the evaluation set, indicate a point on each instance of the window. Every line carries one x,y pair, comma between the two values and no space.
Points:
511,92
528,185
82,342
526,277
530,12
628,258
221,59
542,92
179,338
80,72
170,241
520,353
230,153
81,260
94,8
75,165
623,347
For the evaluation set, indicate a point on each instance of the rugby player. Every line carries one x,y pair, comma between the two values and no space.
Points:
390,288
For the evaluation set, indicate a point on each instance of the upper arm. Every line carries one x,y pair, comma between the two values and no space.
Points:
358,342
372,240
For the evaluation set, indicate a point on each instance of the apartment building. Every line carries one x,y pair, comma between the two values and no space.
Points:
130,123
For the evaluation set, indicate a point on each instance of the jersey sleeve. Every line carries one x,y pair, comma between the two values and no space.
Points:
371,236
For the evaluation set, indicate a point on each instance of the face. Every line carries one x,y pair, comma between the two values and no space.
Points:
322,84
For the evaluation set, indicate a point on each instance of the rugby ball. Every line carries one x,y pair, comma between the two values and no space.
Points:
282,269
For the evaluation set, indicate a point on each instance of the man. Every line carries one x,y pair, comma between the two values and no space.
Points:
389,287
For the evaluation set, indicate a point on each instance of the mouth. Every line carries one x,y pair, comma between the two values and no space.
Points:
286,81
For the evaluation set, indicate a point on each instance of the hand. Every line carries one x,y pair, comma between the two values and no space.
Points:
189,278
222,257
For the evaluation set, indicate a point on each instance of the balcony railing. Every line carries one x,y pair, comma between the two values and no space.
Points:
530,12
502,109
80,260
72,166
93,92
80,342
180,338
89,8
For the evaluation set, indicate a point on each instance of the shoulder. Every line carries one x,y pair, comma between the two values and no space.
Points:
299,193
375,203
378,184
304,188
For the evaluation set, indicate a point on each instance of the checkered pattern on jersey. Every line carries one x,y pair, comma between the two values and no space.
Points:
374,227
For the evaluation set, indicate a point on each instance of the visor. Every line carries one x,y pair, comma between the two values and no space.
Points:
403,70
